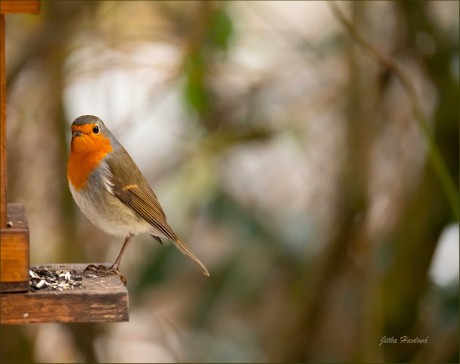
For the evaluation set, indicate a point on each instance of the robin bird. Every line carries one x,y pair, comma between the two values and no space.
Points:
112,192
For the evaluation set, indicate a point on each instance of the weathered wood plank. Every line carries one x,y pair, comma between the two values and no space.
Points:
2,124
14,251
20,6
99,299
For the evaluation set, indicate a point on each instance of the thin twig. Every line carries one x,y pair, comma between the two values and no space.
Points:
434,153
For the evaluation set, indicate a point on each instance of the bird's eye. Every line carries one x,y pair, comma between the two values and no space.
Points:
96,129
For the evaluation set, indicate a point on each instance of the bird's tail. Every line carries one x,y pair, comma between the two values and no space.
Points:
186,250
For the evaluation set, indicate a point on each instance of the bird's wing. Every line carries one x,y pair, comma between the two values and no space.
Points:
131,188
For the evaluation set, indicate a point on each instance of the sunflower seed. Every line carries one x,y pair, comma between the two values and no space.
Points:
45,278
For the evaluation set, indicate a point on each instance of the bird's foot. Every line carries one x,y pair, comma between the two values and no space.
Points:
105,271
97,269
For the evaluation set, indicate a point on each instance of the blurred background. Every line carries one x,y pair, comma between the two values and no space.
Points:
319,190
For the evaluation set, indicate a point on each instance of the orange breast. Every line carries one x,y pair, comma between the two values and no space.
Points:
85,155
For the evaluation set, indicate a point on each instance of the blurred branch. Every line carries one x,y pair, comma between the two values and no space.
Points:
390,64
347,263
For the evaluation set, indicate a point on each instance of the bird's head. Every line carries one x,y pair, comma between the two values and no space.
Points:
90,135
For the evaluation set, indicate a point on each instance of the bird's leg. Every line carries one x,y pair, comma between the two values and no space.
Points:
114,267
116,264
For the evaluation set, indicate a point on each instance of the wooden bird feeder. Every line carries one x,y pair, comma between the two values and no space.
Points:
100,299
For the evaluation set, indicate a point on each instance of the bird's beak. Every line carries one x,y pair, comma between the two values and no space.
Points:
76,133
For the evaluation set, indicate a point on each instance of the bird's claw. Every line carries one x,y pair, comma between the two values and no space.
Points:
105,271
99,269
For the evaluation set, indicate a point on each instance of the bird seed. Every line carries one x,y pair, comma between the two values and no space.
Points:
42,278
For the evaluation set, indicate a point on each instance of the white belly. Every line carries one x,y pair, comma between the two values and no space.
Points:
107,212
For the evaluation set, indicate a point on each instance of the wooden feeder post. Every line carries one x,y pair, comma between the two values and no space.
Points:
14,249
98,299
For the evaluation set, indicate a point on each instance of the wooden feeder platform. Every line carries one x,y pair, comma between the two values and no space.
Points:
95,299
98,299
